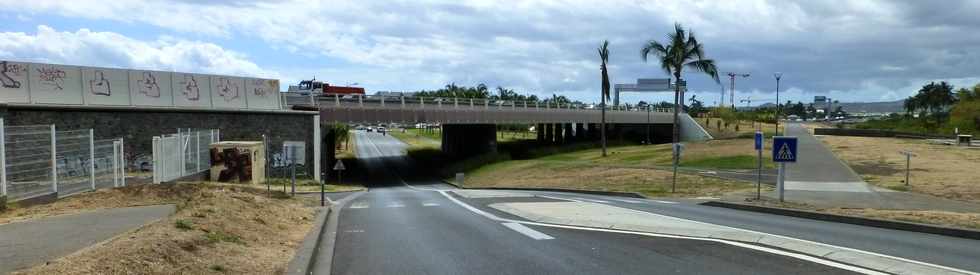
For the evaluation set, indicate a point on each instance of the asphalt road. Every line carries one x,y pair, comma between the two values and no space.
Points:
406,228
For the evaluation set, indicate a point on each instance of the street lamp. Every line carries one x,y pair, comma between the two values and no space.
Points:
778,76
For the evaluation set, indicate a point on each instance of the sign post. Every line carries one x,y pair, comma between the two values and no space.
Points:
908,165
758,148
783,151
677,149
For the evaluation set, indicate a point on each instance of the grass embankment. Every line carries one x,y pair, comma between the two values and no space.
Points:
217,228
626,169
745,129
938,170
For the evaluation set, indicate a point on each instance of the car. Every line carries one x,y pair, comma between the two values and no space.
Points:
382,130
370,129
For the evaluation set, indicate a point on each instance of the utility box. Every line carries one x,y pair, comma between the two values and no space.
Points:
238,161
964,140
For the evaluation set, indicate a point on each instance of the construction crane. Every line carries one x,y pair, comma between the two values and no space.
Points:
732,75
748,100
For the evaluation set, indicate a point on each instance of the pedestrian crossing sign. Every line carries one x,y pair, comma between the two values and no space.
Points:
784,149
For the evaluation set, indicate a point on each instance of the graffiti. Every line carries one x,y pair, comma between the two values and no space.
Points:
148,85
52,77
191,91
7,74
236,164
261,87
227,89
99,85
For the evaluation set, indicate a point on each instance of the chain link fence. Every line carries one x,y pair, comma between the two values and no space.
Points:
182,154
40,160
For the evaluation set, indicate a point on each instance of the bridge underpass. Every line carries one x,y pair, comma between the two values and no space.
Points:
469,125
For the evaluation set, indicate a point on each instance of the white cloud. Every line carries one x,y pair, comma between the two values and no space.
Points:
871,49
85,47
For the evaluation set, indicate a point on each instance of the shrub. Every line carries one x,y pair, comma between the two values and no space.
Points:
183,225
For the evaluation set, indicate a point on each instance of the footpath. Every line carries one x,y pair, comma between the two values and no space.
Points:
28,243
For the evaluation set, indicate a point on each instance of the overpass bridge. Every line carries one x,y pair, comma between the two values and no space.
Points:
469,123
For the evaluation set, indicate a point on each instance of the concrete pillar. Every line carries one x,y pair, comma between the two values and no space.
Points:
569,136
558,133
549,134
594,132
328,153
579,132
540,132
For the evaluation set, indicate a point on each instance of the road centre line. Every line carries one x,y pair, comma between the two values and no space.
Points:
527,231
667,202
592,200
797,255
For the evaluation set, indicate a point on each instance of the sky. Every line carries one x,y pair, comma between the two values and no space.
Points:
847,50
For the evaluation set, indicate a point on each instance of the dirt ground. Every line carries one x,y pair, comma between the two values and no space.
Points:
132,195
216,229
938,170
954,219
584,176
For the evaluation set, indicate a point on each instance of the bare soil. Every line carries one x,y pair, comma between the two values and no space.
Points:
216,229
953,219
938,170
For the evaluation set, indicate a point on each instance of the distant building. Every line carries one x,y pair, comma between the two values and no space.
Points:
819,100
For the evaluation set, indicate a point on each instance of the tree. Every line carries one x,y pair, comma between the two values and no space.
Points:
697,107
604,57
681,50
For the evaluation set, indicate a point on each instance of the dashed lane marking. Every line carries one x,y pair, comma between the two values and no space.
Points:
527,231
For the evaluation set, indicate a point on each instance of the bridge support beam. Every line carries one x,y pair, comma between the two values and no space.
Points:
569,135
594,132
549,134
539,130
557,128
579,132
462,140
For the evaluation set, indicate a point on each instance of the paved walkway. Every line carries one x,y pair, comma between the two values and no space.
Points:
820,179
28,243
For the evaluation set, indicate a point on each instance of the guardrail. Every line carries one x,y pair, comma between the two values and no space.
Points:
388,101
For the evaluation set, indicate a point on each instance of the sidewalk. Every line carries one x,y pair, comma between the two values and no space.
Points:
28,243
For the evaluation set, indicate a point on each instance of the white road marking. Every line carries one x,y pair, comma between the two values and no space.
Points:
667,202
527,231
359,205
592,200
430,204
354,231
628,201
558,198
734,243
377,149
395,205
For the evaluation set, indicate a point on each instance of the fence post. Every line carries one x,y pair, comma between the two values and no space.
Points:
122,159
54,161
115,163
157,169
197,143
91,156
3,159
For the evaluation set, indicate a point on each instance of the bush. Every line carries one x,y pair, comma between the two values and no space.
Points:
183,225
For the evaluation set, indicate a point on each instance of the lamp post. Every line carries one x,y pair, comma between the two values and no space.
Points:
778,76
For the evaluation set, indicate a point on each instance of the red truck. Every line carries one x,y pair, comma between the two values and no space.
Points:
314,86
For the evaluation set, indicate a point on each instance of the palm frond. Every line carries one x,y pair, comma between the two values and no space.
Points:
706,66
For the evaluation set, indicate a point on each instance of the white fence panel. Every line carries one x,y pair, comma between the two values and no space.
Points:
182,154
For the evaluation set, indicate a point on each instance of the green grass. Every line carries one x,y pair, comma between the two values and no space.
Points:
183,225
727,162
218,236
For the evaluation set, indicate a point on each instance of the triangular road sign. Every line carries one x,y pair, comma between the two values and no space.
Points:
339,166
784,153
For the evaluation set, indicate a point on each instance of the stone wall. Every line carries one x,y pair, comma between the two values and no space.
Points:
138,127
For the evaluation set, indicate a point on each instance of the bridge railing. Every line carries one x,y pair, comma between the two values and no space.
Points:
396,101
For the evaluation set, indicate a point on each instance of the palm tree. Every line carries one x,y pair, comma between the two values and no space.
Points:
682,50
604,56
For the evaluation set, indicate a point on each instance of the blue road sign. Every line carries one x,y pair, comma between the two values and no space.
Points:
758,140
784,149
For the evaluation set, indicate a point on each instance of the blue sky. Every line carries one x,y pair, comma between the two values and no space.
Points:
848,50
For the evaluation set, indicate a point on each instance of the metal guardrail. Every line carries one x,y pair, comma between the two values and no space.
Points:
386,101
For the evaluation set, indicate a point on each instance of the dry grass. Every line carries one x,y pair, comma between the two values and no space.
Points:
745,128
938,170
584,176
133,195
216,229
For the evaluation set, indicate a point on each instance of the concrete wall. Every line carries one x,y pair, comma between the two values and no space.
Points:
468,139
691,130
138,127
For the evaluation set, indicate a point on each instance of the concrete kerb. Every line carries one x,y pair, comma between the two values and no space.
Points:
588,192
897,225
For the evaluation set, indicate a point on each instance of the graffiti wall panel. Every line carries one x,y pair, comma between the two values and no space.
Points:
55,84
237,161
191,90
151,88
228,92
14,82
103,86
262,93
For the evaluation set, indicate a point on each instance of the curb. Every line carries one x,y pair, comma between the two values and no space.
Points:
896,225
589,192
303,260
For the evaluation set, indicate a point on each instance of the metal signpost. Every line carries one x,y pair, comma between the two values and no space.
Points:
758,148
677,149
783,151
908,164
